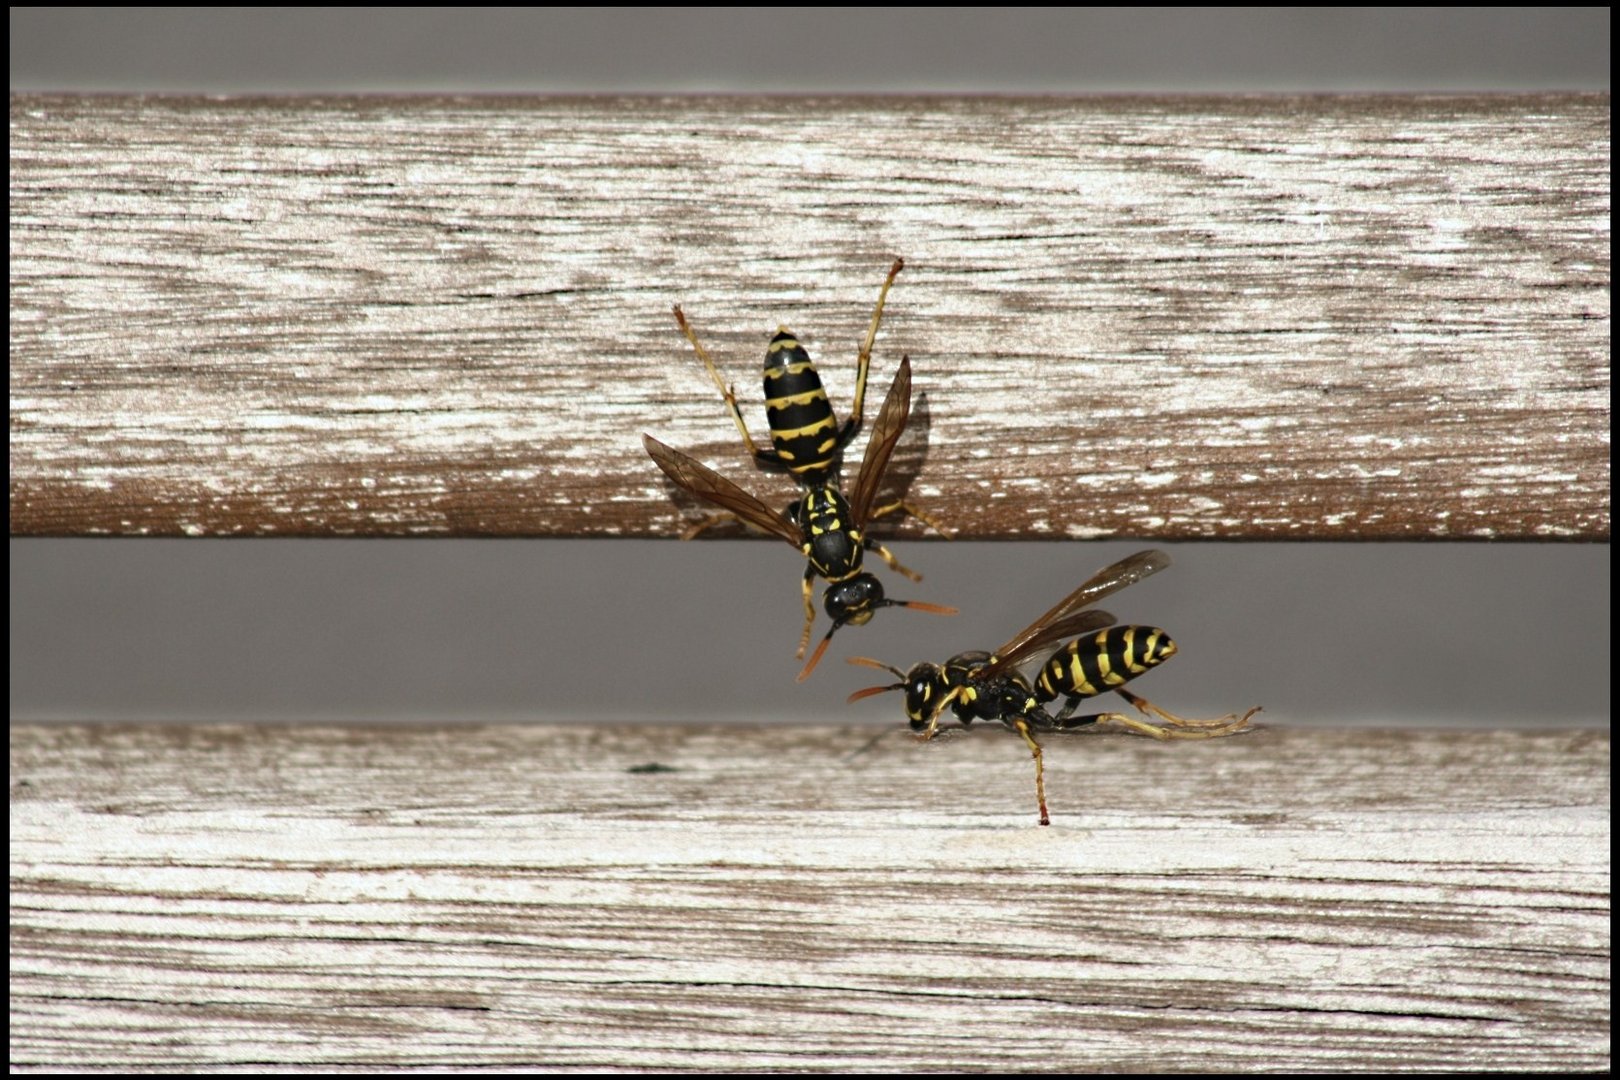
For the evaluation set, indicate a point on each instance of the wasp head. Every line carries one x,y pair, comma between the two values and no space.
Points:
923,685
854,600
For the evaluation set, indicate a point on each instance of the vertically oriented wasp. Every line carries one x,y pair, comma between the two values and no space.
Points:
1103,657
807,441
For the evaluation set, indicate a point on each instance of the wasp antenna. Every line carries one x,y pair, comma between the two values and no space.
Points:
932,609
867,661
815,657
870,691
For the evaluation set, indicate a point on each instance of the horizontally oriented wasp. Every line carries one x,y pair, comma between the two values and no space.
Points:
1103,657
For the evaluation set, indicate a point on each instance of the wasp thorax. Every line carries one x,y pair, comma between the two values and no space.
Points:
855,600
834,551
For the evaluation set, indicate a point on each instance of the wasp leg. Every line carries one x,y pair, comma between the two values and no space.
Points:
1023,729
712,520
1063,722
1180,727
1139,727
763,457
1221,725
1163,734
888,556
809,612
864,362
939,710
903,507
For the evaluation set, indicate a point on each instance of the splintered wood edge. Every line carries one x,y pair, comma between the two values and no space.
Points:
1264,317
752,898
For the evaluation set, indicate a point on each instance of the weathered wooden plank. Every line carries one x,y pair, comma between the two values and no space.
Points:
207,896
1317,317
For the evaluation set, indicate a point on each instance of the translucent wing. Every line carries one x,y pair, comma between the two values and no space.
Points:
891,422
710,486
1068,618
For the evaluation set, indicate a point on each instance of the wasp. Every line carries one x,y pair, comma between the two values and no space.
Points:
808,443
829,530
1102,657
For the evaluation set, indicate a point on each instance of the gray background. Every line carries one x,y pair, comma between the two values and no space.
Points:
705,49
1502,634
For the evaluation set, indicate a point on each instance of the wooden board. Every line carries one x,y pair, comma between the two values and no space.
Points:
1295,317
793,898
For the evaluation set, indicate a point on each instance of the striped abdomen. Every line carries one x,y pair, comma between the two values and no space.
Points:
803,427
1097,663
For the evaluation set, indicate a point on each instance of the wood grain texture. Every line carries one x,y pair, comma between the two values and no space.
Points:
210,896
1294,317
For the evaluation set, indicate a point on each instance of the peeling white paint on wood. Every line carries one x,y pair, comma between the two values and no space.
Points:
208,896
1319,317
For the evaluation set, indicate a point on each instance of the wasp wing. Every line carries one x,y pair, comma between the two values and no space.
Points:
1068,619
1081,622
891,422
709,485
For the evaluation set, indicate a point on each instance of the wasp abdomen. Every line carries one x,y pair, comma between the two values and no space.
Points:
804,430
1102,661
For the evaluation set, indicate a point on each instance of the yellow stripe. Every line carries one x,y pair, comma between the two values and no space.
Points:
1132,664
1104,667
796,399
1077,675
797,368
808,429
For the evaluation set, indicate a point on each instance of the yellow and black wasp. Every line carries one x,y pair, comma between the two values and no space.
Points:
828,529
1103,657
808,443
